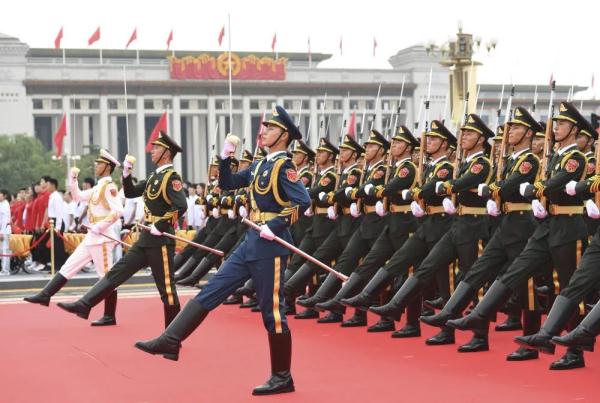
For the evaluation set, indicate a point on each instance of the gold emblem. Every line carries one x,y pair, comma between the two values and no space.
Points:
518,112
265,173
156,182
434,125
471,120
562,108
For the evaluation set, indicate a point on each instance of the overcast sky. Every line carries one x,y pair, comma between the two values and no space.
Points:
535,38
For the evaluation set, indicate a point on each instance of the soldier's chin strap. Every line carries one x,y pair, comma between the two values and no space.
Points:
277,139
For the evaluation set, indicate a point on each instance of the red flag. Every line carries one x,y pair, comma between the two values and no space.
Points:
161,125
60,135
169,39
221,35
341,46
273,42
352,125
95,37
374,45
58,39
132,38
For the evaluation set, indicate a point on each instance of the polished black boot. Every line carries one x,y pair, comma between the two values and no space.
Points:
169,343
351,287
453,309
562,310
531,325
296,284
512,322
327,290
413,326
53,286
383,325
445,336
170,312
198,274
584,335
393,309
186,268
357,320
307,314
331,317
366,297
280,346
479,342
247,290
250,303
572,359
437,303
478,319
110,307
82,306
233,300
407,331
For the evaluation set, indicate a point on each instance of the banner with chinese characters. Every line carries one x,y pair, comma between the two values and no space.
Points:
207,67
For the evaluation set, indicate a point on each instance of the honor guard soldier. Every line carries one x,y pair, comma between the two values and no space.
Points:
277,199
514,229
303,157
104,209
164,201
556,238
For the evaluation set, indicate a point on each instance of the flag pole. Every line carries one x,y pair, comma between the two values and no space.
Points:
230,89
100,55
64,57
126,109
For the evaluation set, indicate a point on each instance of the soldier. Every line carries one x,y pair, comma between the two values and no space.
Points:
556,238
277,199
104,209
302,157
515,227
537,145
164,201
425,204
399,223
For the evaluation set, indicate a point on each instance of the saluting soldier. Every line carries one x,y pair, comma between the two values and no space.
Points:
557,237
164,201
104,209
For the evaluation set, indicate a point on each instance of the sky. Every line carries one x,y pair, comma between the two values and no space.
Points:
535,39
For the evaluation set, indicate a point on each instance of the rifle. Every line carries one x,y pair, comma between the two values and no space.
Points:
504,146
396,127
459,151
548,137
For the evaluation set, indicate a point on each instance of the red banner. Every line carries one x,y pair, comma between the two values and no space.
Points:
206,67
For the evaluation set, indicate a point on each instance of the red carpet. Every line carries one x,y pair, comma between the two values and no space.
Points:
51,356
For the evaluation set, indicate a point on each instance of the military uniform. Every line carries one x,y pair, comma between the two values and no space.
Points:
164,201
307,176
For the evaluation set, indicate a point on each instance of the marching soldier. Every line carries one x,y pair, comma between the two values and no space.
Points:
303,157
104,209
277,199
164,201
537,144
515,227
557,237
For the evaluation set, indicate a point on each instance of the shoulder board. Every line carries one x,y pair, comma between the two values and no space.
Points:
409,163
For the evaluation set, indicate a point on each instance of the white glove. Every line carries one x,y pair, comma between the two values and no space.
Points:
127,167
416,209
331,213
538,210
74,172
379,209
209,197
354,210
592,209
215,212
570,188
368,188
348,191
266,233
448,206
228,148
405,194
322,196
155,231
230,214
492,208
480,188
438,186
308,212
243,212
522,187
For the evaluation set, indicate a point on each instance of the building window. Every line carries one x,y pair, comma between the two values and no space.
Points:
38,104
148,104
184,104
112,104
57,104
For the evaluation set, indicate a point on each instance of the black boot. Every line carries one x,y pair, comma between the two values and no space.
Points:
365,299
531,325
384,325
572,359
407,331
513,322
358,319
280,346
198,274
307,314
409,290
250,303
186,268
169,343
479,342
110,307
558,317
445,336
331,317
233,300
170,312
437,303
351,287
478,319
53,286
327,290
413,326
83,305
247,290
453,309
296,284
584,335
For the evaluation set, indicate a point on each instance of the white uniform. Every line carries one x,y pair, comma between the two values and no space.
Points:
104,208
5,231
